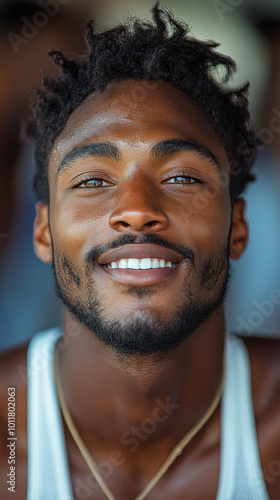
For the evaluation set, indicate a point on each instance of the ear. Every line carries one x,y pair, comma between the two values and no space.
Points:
41,233
239,230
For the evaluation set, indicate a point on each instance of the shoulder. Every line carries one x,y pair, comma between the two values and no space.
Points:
264,354
13,368
262,344
11,365
13,421
13,375
13,405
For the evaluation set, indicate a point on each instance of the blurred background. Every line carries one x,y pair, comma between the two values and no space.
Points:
248,31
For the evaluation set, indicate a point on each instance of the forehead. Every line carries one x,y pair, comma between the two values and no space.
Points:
136,113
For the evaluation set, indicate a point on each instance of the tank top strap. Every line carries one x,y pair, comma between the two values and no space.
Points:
49,478
48,470
241,476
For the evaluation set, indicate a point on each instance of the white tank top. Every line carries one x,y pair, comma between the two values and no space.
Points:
241,475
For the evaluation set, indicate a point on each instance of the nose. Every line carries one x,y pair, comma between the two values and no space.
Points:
138,208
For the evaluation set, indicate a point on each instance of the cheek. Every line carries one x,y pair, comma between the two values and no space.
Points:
207,215
202,221
77,227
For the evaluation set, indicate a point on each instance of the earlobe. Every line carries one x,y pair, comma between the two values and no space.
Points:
239,230
41,233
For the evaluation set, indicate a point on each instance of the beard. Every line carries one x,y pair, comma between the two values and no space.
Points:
139,334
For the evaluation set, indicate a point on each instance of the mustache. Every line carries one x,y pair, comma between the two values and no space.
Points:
125,239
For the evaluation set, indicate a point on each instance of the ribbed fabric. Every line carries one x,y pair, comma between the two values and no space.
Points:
241,476
48,471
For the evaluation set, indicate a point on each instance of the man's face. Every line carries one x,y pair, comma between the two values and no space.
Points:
136,174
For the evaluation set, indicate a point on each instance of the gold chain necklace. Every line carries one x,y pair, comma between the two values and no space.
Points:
177,450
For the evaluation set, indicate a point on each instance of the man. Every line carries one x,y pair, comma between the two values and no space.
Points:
141,158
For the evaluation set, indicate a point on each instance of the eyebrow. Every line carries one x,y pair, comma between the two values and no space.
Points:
172,146
159,150
98,149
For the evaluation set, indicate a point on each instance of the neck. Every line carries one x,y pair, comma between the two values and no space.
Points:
111,397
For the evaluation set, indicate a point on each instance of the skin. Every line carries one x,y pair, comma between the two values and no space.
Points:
127,388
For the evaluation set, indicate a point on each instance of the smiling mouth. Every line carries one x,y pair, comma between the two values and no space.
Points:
139,277
140,264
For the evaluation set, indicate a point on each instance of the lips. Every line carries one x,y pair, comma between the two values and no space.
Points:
140,251
168,263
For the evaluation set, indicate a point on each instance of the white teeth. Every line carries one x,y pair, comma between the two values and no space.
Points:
145,263
155,264
133,264
123,264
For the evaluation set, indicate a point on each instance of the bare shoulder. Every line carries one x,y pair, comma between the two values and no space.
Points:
13,423
264,356
13,379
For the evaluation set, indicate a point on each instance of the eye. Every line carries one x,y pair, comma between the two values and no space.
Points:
92,182
183,179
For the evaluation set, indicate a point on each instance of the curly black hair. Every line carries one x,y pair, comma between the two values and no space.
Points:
162,50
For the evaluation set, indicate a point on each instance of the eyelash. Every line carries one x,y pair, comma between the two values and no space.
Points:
193,180
90,178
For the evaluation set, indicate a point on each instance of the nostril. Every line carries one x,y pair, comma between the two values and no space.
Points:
138,220
151,223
